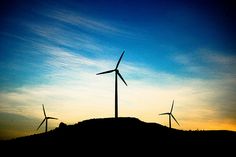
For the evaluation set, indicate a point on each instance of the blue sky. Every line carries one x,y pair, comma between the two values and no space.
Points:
50,52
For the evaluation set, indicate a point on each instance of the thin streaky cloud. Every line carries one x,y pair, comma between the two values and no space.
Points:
76,19
182,59
217,57
204,56
206,62
65,37
11,35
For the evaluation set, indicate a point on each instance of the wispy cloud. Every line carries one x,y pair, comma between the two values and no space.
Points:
84,22
67,37
205,62
182,59
217,57
75,19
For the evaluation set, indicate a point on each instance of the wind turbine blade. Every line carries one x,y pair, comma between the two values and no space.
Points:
109,71
41,123
51,118
172,107
174,119
164,113
44,111
119,60
122,78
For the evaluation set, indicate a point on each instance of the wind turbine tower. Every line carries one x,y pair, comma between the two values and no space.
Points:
45,119
170,115
117,73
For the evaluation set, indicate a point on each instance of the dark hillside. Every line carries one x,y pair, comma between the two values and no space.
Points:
125,134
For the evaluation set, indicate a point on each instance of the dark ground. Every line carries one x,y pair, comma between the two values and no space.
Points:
121,136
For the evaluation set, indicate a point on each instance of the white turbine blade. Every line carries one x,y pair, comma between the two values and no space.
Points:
164,113
122,78
172,107
119,60
51,118
41,123
109,71
174,119
44,111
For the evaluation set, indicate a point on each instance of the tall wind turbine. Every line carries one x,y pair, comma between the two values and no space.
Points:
45,119
116,88
170,115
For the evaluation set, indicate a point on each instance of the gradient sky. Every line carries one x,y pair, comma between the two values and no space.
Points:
50,52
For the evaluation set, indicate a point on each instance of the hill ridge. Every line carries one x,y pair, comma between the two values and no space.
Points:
124,132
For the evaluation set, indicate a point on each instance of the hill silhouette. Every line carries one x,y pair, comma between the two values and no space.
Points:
124,134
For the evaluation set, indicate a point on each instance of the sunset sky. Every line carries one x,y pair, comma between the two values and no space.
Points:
50,52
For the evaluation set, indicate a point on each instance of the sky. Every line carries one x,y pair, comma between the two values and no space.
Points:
50,52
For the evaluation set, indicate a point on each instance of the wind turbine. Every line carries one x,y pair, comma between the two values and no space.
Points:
116,88
45,119
170,115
